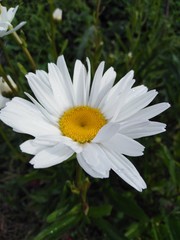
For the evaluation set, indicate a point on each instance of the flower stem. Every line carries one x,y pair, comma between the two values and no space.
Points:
83,186
25,50
53,31
97,39
79,173
98,4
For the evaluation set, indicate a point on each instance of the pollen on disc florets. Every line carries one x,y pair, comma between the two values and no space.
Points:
81,123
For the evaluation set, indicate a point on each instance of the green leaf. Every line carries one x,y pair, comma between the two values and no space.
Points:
169,162
133,230
62,221
172,225
100,211
128,205
108,229
58,228
54,215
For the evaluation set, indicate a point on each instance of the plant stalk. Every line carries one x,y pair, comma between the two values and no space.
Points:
25,50
83,186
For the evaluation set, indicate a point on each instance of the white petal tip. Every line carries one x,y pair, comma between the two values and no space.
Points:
168,105
61,57
131,72
143,187
36,165
29,75
32,162
21,147
23,23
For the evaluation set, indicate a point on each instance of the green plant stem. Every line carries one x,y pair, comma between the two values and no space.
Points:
79,173
25,50
3,74
83,186
53,31
98,4
98,42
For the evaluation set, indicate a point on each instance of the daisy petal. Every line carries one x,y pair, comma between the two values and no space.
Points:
96,158
59,87
52,119
117,96
106,82
150,112
88,80
79,83
88,169
65,73
128,97
135,105
14,29
75,146
106,132
43,76
24,117
96,82
124,145
51,156
145,129
39,143
43,92
123,85
126,170
11,13
31,147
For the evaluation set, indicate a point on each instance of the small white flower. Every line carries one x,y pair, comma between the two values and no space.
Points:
57,14
99,123
4,89
130,54
6,17
4,86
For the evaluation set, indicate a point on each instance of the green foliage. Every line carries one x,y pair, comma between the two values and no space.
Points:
47,204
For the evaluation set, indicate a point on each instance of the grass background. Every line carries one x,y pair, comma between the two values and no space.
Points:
42,204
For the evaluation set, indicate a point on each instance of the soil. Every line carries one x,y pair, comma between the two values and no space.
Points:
12,225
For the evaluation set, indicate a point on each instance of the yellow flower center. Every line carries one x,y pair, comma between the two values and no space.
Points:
81,123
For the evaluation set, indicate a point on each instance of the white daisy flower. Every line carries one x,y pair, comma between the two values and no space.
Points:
99,123
57,14
5,89
6,17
